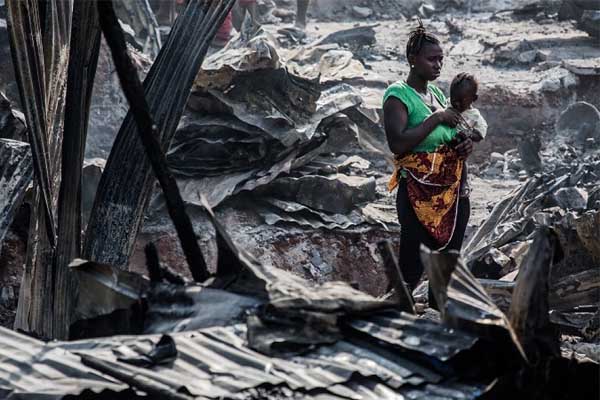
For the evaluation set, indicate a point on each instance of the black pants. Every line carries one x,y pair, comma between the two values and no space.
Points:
413,234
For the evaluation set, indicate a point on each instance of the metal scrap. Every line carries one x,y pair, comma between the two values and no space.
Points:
189,39
16,174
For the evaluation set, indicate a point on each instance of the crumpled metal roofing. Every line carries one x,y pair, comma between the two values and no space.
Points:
31,369
216,362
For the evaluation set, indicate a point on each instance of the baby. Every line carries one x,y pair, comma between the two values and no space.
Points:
463,93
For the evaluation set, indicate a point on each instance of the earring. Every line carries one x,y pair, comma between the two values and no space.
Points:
412,66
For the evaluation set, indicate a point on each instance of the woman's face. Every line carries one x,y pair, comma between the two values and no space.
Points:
428,63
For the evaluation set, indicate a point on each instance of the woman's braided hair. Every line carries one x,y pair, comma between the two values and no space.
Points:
417,38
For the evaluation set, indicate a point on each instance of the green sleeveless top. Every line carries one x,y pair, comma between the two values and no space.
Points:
418,111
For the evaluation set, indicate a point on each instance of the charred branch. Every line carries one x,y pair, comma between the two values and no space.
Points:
126,183
132,87
157,272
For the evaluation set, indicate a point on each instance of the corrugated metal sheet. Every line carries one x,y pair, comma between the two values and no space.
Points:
216,362
412,333
32,368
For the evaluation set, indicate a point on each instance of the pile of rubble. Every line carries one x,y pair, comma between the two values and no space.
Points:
265,130
573,145
561,194
258,125
256,332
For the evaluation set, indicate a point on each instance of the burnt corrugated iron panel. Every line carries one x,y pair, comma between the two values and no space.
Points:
413,333
216,362
30,368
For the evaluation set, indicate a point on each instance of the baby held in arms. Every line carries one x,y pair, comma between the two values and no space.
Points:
463,93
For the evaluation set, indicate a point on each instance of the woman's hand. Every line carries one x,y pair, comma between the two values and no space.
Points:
449,117
464,148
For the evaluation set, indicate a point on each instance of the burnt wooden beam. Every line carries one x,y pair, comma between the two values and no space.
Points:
40,35
127,180
83,60
402,296
529,309
134,92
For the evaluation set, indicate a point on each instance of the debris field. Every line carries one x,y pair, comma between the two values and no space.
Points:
184,220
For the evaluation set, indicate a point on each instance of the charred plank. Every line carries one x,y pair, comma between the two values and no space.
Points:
126,183
132,87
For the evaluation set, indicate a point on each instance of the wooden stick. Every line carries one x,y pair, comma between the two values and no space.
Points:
134,92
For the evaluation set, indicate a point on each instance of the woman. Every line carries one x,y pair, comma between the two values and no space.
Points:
429,157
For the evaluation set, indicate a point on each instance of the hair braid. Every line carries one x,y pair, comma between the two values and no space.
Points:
417,38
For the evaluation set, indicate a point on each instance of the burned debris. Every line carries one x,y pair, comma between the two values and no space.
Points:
240,242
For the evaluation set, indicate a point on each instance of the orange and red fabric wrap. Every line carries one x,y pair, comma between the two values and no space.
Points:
433,185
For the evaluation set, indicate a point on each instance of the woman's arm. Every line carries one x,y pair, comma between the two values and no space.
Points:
402,140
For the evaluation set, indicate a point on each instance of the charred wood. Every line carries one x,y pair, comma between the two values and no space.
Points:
132,87
40,34
83,59
126,183
16,172
27,39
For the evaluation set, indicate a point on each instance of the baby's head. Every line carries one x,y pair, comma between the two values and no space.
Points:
463,91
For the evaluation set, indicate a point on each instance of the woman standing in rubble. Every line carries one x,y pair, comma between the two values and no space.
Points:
421,133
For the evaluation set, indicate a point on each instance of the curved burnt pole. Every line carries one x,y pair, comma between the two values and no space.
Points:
126,183
147,130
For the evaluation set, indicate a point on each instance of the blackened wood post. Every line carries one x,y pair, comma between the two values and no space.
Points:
134,92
